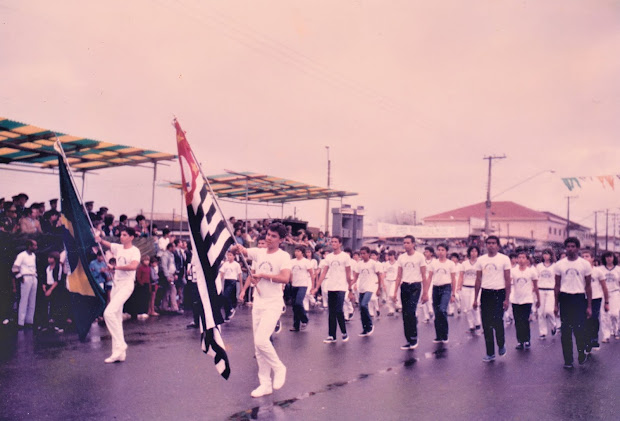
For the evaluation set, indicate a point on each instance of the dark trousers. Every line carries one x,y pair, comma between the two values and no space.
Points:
409,297
522,321
593,323
573,315
142,297
192,290
299,312
229,296
491,313
441,300
335,300
366,320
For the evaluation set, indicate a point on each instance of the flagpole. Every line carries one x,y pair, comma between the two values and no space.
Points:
66,162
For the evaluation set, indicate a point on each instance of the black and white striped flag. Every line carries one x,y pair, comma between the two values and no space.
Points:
210,241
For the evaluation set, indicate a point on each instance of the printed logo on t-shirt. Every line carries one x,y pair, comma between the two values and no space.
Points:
490,268
409,265
296,269
520,281
571,274
546,274
121,261
441,271
265,267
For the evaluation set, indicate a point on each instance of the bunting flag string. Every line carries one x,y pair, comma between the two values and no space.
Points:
608,180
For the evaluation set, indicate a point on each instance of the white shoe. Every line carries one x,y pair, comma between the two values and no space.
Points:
279,377
261,391
116,358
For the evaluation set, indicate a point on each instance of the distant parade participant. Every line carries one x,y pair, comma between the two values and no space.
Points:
310,299
546,284
427,308
599,291
573,300
611,273
349,299
369,275
127,260
25,271
390,270
337,265
524,288
301,275
493,278
466,286
230,272
410,278
441,274
457,296
273,269
374,307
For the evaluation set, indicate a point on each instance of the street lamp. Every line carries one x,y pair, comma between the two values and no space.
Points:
329,163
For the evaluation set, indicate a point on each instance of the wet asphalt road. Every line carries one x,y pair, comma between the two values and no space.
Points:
166,376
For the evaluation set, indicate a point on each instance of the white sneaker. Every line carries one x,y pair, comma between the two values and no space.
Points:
261,391
279,377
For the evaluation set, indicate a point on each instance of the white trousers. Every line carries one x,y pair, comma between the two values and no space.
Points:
609,320
113,314
263,324
546,317
388,293
467,306
347,306
27,302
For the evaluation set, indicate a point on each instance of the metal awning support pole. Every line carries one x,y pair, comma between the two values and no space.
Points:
181,220
83,181
246,200
153,197
282,212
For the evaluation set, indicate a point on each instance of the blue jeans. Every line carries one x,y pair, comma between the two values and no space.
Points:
299,313
409,296
366,320
335,300
229,296
441,299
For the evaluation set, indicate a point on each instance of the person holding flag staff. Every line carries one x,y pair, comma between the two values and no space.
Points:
273,269
127,260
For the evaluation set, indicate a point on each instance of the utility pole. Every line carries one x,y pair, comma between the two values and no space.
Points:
487,212
329,165
596,234
568,198
606,229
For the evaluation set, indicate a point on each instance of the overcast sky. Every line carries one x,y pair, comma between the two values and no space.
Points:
409,95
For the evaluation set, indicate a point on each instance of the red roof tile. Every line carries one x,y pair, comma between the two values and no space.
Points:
499,210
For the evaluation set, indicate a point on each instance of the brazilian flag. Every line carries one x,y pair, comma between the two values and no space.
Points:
87,297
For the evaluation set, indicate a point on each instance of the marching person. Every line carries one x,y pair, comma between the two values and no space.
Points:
546,283
466,286
524,286
301,276
442,275
369,273
127,260
599,291
336,266
411,275
273,269
573,300
493,278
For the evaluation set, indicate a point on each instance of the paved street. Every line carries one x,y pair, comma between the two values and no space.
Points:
166,376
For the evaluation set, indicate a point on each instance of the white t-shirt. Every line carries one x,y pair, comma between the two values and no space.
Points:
411,267
336,264
299,269
546,276
230,270
612,278
522,291
493,270
270,263
390,270
27,263
442,272
469,273
124,257
368,279
573,273
597,289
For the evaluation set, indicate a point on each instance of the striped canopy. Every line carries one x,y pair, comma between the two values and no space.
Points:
265,188
29,144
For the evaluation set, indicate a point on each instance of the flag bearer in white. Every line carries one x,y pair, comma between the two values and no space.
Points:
127,260
273,269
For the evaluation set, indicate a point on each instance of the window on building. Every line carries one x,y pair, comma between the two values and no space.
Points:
549,230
